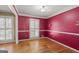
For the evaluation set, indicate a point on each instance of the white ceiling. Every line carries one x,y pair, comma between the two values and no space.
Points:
5,8
34,10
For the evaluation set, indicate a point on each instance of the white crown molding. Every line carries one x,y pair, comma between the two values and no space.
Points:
31,16
12,9
63,10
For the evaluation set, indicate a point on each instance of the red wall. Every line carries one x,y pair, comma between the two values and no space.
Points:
43,27
65,22
23,22
23,27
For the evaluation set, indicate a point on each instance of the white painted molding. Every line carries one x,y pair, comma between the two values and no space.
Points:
63,10
16,21
23,30
24,40
31,16
76,34
63,44
13,10
69,33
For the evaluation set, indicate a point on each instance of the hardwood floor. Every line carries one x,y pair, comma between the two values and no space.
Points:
41,45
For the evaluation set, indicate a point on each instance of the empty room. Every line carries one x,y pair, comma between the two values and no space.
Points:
39,28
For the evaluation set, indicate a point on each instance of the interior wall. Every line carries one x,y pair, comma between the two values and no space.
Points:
43,27
64,28
23,27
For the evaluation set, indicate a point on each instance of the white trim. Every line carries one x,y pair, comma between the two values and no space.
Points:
29,39
28,30
23,30
7,42
13,10
63,10
23,39
16,21
63,44
76,34
16,30
69,33
31,16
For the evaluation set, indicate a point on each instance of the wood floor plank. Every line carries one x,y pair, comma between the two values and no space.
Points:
42,45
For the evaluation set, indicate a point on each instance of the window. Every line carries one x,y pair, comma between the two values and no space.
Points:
6,28
34,28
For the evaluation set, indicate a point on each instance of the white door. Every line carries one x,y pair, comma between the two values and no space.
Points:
6,28
2,28
34,28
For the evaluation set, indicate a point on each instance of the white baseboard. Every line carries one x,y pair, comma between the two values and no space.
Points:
4,42
23,39
63,44
29,39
